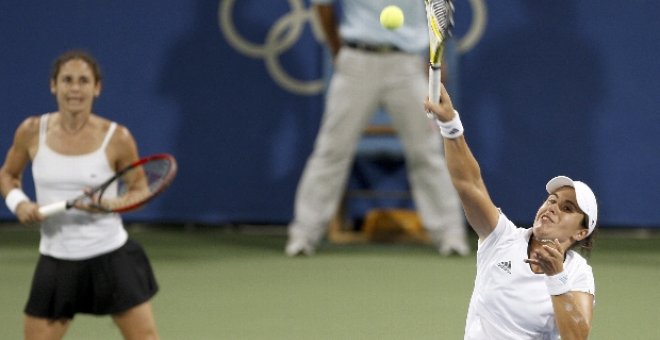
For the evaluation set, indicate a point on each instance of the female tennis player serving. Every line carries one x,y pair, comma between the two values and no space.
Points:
530,283
87,263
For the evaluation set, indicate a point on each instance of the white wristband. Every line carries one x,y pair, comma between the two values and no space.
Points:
451,129
15,197
557,284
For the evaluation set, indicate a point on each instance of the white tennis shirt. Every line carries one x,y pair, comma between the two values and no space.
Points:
75,234
509,301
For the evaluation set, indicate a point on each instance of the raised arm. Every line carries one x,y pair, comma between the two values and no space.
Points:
330,25
481,213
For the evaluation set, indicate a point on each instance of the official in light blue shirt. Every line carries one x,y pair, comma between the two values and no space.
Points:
375,68
359,24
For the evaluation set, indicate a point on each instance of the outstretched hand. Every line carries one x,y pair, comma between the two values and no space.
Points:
444,110
549,258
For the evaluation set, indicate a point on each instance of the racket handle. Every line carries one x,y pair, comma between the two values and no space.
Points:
53,209
434,87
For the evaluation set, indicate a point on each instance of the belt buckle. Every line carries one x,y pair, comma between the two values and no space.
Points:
383,48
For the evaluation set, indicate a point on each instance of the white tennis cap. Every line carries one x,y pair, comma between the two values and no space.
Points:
585,197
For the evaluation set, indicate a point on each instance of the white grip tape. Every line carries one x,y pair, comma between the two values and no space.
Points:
434,88
434,85
53,209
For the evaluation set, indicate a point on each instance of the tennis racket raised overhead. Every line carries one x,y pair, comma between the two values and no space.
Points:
127,190
440,17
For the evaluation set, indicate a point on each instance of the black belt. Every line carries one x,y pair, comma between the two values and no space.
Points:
383,48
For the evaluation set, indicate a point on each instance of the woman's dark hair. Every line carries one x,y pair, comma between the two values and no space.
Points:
76,55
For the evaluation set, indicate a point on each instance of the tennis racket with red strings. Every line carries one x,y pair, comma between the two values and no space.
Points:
129,189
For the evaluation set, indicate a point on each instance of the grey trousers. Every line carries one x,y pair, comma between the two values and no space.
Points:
361,83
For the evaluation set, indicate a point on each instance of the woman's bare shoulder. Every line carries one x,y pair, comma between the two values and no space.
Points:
27,130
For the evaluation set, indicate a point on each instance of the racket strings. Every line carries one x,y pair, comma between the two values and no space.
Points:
443,13
139,184
130,199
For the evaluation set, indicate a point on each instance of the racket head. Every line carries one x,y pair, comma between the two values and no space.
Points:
137,184
440,17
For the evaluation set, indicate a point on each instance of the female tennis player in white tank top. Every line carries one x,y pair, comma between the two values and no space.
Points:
530,283
87,263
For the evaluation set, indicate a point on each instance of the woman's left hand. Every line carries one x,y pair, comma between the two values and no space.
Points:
549,257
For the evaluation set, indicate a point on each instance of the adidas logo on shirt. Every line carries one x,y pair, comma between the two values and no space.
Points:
505,266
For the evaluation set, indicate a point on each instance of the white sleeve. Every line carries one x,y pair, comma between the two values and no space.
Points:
583,280
500,229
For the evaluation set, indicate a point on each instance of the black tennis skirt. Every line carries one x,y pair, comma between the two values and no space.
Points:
107,284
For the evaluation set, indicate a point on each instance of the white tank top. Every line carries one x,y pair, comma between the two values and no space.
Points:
75,234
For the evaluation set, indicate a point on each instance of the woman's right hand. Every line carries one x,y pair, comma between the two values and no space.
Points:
28,213
444,110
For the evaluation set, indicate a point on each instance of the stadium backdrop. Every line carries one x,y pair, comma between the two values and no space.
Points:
235,90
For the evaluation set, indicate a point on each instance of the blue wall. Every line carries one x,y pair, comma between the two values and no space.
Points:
544,91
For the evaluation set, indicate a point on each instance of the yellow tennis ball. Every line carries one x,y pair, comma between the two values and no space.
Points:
391,17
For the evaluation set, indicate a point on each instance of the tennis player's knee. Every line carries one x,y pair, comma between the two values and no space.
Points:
42,328
137,323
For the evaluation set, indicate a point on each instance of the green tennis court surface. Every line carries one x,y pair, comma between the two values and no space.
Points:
221,283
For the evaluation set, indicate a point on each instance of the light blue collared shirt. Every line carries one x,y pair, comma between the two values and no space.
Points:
360,22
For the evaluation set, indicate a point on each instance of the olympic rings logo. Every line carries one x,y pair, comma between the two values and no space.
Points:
286,31
283,34
477,26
